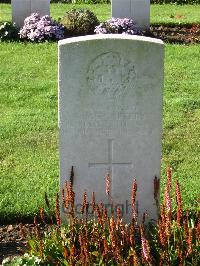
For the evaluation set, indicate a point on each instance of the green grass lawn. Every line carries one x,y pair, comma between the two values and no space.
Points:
28,120
159,13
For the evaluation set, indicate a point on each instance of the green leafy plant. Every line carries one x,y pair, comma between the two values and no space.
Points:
79,22
8,31
26,259
97,238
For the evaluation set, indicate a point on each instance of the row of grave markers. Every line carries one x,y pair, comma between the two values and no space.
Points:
139,10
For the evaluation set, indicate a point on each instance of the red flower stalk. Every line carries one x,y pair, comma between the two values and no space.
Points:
93,201
132,235
161,234
42,215
119,216
133,199
84,203
169,177
156,187
133,193
168,202
108,184
35,221
72,254
144,217
71,199
66,253
72,176
66,200
63,197
162,227
198,228
57,211
105,215
105,248
135,259
180,256
168,215
185,225
46,200
189,242
145,248
99,215
41,249
179,204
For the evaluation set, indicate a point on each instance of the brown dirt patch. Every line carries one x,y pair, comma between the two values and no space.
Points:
183,34
13,240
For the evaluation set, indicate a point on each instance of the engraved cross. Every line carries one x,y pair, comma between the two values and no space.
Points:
110,164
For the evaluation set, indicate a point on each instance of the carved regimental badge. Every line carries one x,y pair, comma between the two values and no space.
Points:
110,74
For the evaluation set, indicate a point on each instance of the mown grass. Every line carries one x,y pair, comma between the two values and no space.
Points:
159,13
28,124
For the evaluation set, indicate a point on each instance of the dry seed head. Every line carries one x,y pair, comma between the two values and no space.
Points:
84,203
169,177
35,221
168,201
156,187
189,241
133,193
66,253
46,200
107,184
57,211
72,176
179,204
42,215
145,247
93,201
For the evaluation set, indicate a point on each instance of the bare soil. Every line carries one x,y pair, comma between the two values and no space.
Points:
13,240
182,34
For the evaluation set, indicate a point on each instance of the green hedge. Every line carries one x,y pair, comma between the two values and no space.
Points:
108,1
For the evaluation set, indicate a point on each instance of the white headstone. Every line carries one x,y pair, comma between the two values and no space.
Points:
110,116
139,10
21,9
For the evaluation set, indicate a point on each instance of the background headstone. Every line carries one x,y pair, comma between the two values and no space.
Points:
139,10
110,113
24,8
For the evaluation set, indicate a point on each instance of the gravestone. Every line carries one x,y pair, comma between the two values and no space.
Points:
24,8
110,116
139,10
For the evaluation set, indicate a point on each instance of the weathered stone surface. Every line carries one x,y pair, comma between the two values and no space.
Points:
139,10
24,8
110,113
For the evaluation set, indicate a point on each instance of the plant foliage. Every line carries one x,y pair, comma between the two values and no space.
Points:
8,32
79,22
97,238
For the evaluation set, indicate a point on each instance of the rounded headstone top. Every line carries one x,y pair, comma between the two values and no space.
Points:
110,36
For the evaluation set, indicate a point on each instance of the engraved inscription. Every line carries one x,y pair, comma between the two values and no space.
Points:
110,74
106,124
